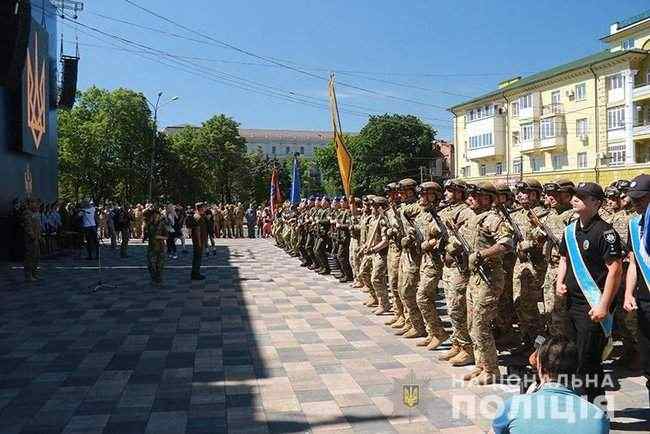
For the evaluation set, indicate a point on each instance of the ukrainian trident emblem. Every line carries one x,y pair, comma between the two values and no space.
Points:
28,180
411,393
35,72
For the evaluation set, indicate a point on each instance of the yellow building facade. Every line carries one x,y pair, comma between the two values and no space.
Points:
588,120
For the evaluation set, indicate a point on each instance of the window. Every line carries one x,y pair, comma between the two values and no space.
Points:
526,101
480,113
514,108
498,169
481,170
480,141
581,91
536,164
615,81
616,154
628,44
302,149
555,97
582,127
616,118
527,132
558,161
515,138
286,150
273,150
466,171
547,127
516,166
582,160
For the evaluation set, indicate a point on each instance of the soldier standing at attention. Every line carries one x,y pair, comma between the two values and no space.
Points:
322,241
353,224
343,251
560,213
239,220
394,252
227,221
409,270
376,249
456,277
430,230
637,290
199,232
529,265
589,276
489,238
365,261
157,236
32,228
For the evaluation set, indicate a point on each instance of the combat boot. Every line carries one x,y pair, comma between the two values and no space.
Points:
375,303
437,341
369,301
399,323
484,378
380,310
392,320
414,333
473,373
463,358
425,342
452,352
405,329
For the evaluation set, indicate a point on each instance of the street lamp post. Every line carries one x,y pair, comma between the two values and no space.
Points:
155,108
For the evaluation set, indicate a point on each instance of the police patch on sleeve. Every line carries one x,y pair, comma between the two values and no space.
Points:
613,243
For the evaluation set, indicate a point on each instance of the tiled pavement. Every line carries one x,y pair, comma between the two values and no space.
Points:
261,346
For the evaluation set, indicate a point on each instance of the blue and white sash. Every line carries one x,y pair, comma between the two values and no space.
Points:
640,253
587,284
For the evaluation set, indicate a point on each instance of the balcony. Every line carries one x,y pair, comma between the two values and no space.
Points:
641,92
553,109
551,143
642,129
493,126
483,152
529,145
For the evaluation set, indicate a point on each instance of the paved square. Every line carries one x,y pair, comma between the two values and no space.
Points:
261,346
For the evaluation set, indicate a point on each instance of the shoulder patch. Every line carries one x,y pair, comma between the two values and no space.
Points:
610,236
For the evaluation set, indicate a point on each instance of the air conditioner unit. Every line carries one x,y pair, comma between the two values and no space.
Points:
570,94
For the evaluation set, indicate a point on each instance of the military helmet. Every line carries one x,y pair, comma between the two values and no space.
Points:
560,185
379,200
430,186
455,184
621,184
390,187
612,192
483,187
528,185
407,183
502,187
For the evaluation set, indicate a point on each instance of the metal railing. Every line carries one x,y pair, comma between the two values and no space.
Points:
552,109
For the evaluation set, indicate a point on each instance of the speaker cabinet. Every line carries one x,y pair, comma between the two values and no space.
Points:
68,81
15,23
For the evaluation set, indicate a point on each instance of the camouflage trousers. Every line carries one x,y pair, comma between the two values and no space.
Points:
506,313
354,256
481,313
393,276
409,274
156,264
32,256
455,284
365,274
430,274
378,279
526,290
625,323
556,317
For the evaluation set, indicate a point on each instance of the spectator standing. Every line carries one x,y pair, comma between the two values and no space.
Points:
156,235
89,228
122,225
171,220
251,220
209,223
32,235
110,224
197,225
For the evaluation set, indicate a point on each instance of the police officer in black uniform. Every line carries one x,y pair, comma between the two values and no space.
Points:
600,249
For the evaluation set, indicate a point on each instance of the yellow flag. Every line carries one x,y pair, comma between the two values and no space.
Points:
342,154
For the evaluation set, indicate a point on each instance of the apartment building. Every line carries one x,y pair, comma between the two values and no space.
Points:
588,120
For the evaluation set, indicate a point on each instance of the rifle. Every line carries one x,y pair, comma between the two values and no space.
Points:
534,219
519,236
466,252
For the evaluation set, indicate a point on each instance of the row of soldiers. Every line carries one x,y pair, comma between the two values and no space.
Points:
494,251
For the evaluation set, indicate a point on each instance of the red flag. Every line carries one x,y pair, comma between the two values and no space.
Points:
276,193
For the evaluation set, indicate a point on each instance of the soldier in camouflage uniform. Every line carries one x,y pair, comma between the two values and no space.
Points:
409,270
353,226
31,221
343,248
530,266
394,253
156,236
376,249
456,277
227,222
322,241
431,234
365,260
503,331
238,223
558,217
489,238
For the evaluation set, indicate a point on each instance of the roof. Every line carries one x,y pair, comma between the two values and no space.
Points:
253,134
634,19
552,72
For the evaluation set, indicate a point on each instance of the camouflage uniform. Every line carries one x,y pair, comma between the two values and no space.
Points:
394,253
482,231
377,282
156,249
239,221
455,282
365,261
32,229
355,233
430,275
409,270
527,277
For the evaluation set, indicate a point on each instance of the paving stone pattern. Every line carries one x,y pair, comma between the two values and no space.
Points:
261,346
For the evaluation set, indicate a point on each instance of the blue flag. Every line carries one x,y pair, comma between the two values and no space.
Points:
295,182
646,229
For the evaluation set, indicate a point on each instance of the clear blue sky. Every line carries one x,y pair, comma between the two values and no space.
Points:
467,47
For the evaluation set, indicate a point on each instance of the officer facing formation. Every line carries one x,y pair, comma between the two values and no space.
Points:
499,253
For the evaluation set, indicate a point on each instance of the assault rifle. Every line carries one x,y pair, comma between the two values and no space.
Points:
519,236
466,251
548,233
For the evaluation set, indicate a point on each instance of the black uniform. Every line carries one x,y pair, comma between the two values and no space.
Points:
599,243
